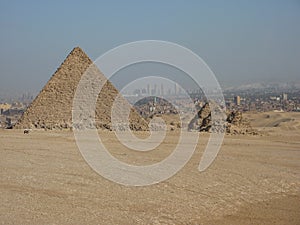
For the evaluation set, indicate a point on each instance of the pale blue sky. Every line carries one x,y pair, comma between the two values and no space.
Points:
242,41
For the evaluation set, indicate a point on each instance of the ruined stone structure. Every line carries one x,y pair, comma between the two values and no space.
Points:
235,123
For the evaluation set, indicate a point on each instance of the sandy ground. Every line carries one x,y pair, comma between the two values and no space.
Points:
254,180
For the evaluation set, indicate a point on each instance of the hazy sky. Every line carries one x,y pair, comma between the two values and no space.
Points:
242,41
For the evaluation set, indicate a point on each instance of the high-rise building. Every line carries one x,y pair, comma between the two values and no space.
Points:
169,91
176,88
162,90
179,90
148,89
237,100
284,97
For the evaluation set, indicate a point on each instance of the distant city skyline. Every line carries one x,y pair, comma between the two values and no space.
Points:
241,41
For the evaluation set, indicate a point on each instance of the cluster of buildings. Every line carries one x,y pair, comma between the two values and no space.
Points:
262,102
12,106
10,113
254,100
154,105
158,90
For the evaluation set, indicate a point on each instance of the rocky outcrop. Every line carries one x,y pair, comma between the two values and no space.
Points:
234,124
237,124
52,108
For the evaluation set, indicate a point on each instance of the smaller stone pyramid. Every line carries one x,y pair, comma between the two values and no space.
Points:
52,108
235,123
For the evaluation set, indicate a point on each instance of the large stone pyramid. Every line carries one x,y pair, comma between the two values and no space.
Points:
52,108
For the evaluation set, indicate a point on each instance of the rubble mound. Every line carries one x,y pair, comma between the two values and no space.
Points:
52,108
235,122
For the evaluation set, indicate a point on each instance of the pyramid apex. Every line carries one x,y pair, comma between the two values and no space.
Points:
77,48
78,52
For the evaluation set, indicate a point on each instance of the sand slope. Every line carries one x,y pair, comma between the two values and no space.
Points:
282,121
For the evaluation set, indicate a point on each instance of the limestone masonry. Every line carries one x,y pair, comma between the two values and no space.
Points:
52,108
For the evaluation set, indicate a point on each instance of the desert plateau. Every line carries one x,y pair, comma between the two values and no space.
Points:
255,179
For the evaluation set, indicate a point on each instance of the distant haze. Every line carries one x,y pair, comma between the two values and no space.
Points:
242,41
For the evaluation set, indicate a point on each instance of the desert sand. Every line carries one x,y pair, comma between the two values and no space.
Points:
254,180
